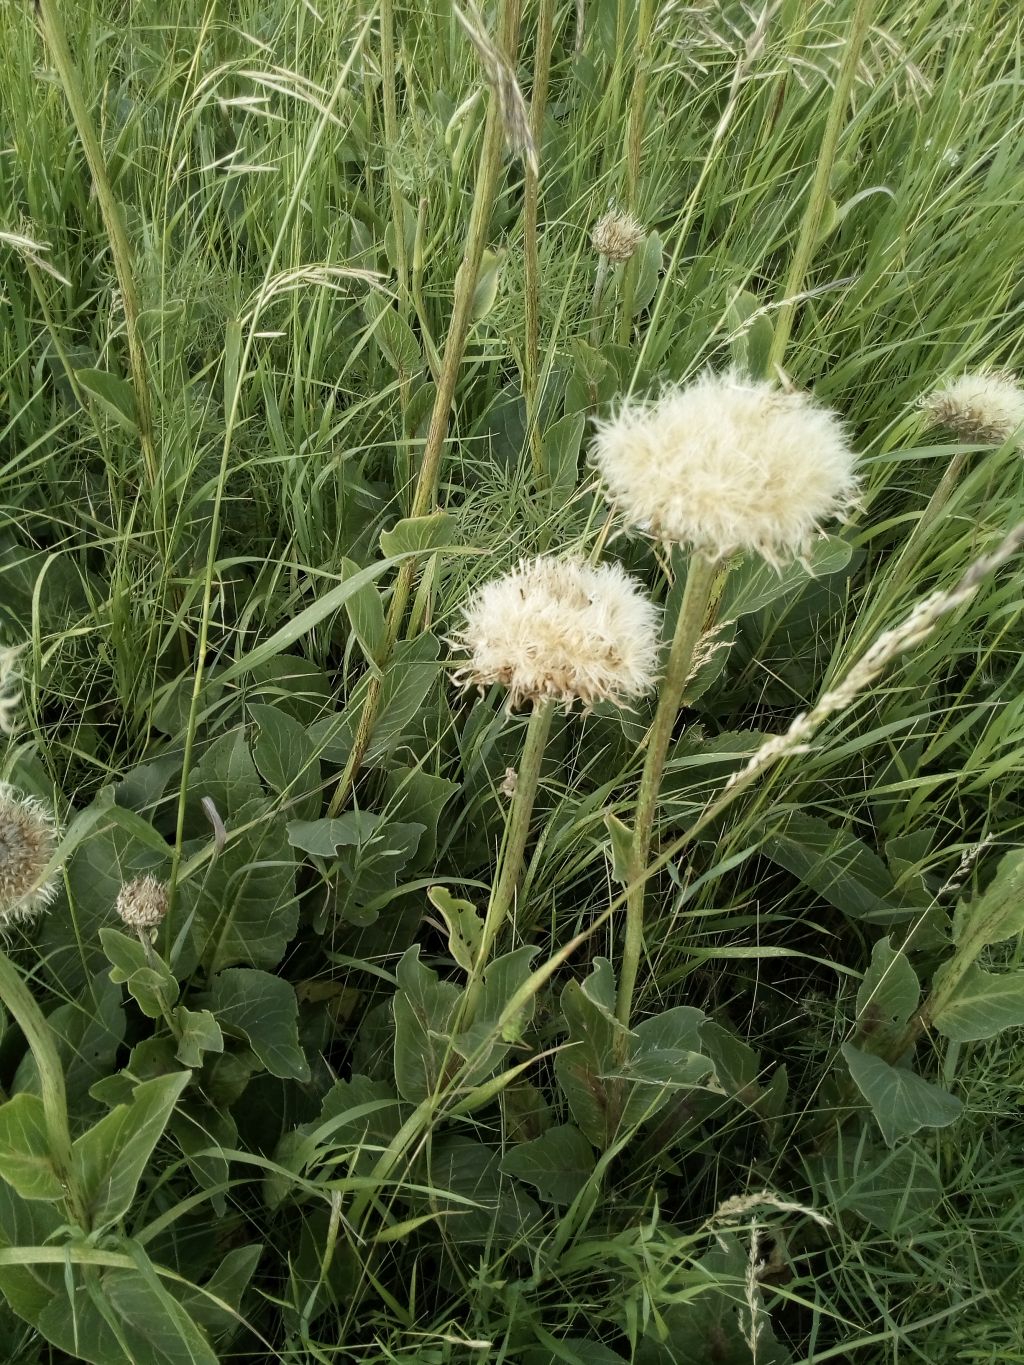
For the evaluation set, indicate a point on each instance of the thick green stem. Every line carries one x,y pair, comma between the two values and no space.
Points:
56,40
518,829
700,579
825,159
484,191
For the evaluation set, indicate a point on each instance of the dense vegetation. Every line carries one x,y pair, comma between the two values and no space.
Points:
303,339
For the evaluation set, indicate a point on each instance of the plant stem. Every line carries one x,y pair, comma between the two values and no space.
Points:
700,579
531,254
819,192
634,148
518,829
488,170
387,71
600,280
56,40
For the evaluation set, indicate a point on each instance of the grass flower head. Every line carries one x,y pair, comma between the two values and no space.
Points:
727,463
142,903
28,839
986,406
561,629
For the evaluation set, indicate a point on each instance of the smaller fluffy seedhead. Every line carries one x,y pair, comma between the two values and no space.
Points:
561,629
28,840
727,463
987,407
142,903
617,236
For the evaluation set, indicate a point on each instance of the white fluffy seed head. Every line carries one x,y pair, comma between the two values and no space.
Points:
142,903
986,406
28,839
617,236
727,463
561,629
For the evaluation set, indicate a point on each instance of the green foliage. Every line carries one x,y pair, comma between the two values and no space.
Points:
303,1119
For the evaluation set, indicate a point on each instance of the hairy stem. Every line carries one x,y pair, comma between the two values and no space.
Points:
700,579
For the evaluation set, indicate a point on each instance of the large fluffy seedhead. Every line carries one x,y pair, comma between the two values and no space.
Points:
142,903
985,407
28,839
617,236
561,629
727,463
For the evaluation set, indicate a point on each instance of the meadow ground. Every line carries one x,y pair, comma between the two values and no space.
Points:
349,1014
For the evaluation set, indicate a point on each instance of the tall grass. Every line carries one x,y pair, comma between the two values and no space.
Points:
273,281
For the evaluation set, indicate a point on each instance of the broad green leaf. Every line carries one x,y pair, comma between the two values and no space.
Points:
901,1101
559,1163
199,1032
205,1135
424,1011
414,796
324,837
366,615
124,1317
835,864
754,584
114,394
998,913
464,925
244,901
982,1004
752,333
25,1150
227,775
228,1283
889,993
648,263
614,1079
370,869
477,1205
283,751
110,1157
561,446
411,671
896,1191
393,335
488,279
621,842
502,979
263,1010
150,982
419,535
